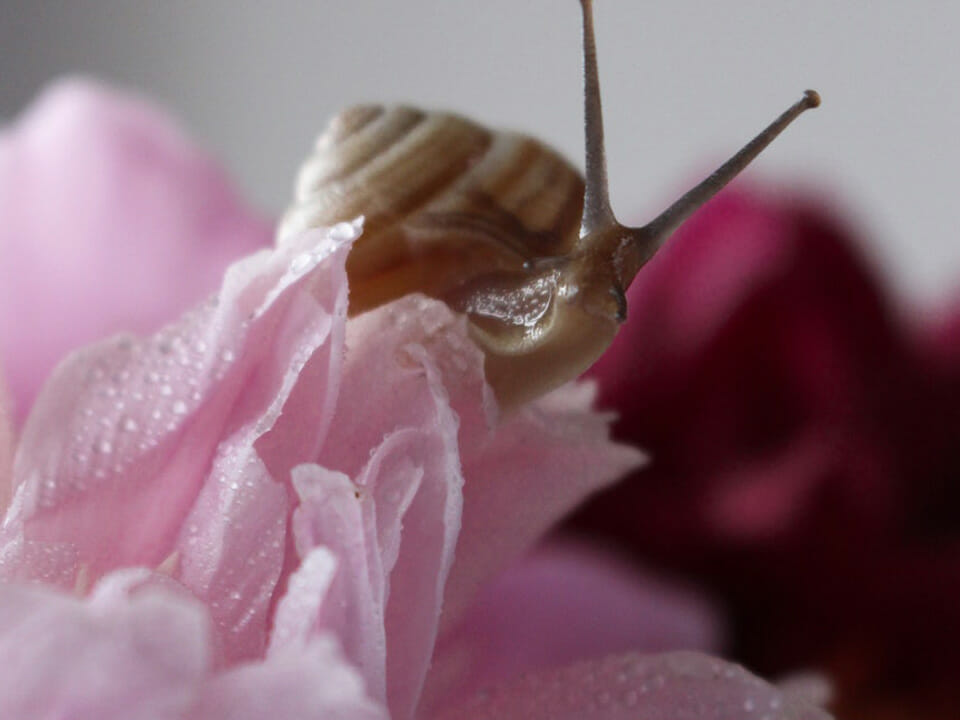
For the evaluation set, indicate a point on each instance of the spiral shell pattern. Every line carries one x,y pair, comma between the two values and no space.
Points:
448,205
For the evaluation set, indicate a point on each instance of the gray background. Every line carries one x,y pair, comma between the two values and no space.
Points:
685,83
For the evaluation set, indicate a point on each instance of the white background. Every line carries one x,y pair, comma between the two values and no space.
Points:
685,83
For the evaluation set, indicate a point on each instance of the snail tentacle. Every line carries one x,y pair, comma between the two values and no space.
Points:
597,212
497,225
628,248
657,231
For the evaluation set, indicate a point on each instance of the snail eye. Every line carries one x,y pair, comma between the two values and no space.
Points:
497,225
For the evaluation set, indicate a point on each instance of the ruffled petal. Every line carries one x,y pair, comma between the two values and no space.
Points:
340,586
675,686
110,220
6,448
136,657
139,448
522,472
563,603
386,496
139,649
393,527
309,683
539,464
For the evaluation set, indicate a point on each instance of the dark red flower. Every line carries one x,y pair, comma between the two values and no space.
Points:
806,449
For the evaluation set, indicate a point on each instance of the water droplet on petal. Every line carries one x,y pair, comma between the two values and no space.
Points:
300,263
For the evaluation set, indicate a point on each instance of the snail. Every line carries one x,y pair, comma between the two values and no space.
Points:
497,225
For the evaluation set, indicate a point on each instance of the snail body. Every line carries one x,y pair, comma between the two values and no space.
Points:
496,224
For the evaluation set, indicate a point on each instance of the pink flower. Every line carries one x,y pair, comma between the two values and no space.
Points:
265,510
77,169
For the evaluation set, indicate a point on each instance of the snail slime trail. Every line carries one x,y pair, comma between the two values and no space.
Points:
497,225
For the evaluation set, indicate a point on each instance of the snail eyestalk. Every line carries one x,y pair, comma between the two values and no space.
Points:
597,213
656,232
598,226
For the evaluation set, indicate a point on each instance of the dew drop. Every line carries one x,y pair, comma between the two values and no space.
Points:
343,231
301,262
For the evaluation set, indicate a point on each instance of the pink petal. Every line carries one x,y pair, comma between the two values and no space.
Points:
807,686
137,448
395,434
565,602
110,219
523,472
676,686
138,649
311,683
539,464
393,529
340,586
6,448
114,656
311,602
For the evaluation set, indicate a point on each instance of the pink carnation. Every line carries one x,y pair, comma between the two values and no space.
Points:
263,509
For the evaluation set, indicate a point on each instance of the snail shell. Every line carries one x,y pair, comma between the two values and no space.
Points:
479,219
495,224
444,200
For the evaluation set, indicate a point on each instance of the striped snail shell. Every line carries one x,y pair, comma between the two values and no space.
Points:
496,224
457,212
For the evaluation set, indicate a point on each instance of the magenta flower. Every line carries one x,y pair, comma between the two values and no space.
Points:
262,509
804,436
